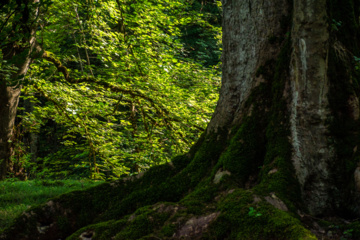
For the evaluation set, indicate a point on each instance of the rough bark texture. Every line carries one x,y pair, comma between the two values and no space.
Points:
10,92
247,28
9,98
252,33
310,106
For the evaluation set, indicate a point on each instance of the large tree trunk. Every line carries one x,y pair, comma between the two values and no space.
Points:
279,154
252,43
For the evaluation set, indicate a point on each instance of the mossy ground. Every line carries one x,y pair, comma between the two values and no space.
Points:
17,196
161,203
161,221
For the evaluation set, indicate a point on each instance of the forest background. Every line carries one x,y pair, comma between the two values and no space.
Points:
153,72
162,60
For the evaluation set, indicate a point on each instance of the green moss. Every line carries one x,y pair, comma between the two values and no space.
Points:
235,222
144,221
201,198
106,202
245,152
181,161
261,143
103,231
246,149
278,147
168,230
354,229
141,226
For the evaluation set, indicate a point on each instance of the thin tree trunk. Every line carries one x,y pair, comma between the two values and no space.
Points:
10,92
9,98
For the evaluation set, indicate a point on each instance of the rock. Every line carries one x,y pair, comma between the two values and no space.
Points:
272,171
88,235
276,202
195,226
220,174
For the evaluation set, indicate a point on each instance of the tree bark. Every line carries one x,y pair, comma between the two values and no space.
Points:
18,53
9,98
247,27
251,33
310,110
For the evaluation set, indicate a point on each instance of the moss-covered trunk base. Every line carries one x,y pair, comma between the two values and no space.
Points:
178,202
161,206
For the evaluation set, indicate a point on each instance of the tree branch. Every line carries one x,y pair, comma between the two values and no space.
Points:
161,110
113,88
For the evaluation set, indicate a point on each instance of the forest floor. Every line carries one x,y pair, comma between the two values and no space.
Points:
17,196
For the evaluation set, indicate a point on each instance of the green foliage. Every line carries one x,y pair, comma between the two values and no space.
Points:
253,213
357,63
145,82
335,25
237,222
6,70
202,32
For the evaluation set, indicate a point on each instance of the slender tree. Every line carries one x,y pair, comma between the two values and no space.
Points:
18,43
280,153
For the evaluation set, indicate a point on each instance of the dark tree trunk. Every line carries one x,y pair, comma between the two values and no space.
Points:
256,36
9,98
10,90
280,153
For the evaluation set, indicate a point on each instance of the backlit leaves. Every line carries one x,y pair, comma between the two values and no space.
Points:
167,98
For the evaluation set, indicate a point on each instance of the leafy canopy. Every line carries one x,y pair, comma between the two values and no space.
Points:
137,90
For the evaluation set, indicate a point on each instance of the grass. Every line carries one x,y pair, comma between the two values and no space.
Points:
17,196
